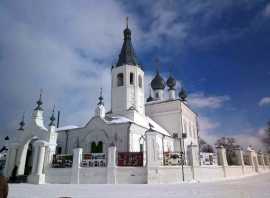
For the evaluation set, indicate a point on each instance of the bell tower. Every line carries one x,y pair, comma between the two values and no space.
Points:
127,80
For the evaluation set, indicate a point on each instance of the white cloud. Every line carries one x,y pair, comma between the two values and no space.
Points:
66,48
264,101
201,100
209,131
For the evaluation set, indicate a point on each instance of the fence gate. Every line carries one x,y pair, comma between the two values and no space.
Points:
130,159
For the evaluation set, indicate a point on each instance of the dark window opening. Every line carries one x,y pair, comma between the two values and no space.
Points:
97,148
141,147
58,150
120,79
131,78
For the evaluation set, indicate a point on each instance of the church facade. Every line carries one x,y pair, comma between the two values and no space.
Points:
32,150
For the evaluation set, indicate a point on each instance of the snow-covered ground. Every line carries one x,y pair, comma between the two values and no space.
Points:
248,187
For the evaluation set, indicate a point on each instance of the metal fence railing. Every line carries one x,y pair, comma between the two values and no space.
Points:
62,161
130,159
93,160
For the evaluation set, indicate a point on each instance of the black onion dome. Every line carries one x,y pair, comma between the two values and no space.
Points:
171,82
158,82
182,94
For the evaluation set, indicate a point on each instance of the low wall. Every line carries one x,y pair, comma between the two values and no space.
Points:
234,171
208,173
97,175
131,175
169,174
58,175
249,170
151,175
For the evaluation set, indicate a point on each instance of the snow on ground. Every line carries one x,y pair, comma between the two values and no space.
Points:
248,187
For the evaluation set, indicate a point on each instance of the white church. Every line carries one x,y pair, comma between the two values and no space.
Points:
134,142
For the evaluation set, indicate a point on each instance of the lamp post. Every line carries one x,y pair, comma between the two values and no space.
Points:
182,154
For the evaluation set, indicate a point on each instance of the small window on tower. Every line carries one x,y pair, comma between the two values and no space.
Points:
131,78
140,81
120,79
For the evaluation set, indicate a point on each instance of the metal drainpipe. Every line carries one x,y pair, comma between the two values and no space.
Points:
181,146
66,141
163,149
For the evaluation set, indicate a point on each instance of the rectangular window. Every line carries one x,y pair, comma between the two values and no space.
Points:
131,78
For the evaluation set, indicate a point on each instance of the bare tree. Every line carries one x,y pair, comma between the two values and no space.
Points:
205,147
229,144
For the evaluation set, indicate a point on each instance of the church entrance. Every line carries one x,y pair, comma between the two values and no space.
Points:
29,159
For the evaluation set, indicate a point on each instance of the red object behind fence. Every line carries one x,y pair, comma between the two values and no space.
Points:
130,159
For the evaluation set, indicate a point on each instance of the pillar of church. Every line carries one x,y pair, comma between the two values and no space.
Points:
40,161
35,158
37,176
77,158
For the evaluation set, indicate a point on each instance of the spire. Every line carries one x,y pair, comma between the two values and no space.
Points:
127,55
22,123
39,102
100,98
52,118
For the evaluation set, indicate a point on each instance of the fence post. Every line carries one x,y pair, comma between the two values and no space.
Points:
240,159
152,157
111,166
222,159
193,158
77,158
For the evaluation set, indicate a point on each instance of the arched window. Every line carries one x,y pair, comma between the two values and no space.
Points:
58,149
131,78
120,79
100,147
93,147
140,81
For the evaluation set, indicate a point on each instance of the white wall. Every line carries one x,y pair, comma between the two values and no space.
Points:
58,175
131,175
208,173
93,175
168,175
234,171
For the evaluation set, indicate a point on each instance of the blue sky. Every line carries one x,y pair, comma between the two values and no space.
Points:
218,50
